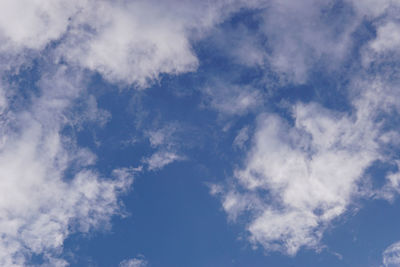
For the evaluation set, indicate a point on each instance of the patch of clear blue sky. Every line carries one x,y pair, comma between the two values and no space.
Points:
173,220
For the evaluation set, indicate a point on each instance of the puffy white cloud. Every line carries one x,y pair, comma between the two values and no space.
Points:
388,37
298,178
130,43
33,24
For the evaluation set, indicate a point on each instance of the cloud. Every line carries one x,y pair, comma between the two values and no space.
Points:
164,136
241,138
301,35
33,24
297,176
388,37
230,99
49,187
303,171
165,141
292,39
391,255
372,8
130,43
40,205
384,48
296,179
135,262
161,158
127,42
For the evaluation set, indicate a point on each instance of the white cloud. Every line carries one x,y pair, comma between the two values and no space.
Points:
164,136
135,262
299,35
295,37
231,99
39,205
391,255
241,138
311,168
165,142
310,171
33,24
27,27
161,158
300,175
384,48
388,37
372,8
126,42
129,42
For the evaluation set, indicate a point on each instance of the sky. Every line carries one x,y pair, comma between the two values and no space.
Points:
146,133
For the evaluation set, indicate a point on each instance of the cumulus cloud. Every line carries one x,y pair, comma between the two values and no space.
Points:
33,24
131,43
298,178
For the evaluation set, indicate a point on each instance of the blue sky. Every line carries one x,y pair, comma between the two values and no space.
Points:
190,133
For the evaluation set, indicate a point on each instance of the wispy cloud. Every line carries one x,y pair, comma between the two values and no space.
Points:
161,158
391,255
135,262
39,205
